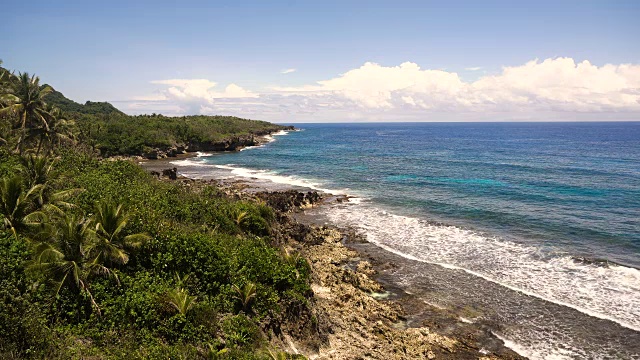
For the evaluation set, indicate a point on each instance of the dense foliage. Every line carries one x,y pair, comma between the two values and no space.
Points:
100,260
103,127
60,101
119,134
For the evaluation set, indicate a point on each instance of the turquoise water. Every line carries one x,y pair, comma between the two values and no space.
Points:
550,210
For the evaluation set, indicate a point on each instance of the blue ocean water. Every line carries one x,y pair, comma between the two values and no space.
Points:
551,210
574,186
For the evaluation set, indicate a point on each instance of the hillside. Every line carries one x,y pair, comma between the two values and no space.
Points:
108,130
65,104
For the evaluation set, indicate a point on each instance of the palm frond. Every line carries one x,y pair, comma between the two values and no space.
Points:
180,299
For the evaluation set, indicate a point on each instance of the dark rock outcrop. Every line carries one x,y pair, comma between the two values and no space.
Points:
170,173
285,201
231,144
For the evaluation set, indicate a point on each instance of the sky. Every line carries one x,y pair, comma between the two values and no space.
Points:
337,61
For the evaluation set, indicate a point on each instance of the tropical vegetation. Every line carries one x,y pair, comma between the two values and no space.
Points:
99,259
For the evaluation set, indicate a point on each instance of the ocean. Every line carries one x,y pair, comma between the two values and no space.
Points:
534,226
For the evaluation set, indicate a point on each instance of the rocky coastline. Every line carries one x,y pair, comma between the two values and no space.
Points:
353,315
234,143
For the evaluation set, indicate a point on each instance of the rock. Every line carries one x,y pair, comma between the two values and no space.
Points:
170,173
172,152
151,154
286,201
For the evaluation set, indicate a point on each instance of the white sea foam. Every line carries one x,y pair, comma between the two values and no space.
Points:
270,138
538,352
611,293
356,199
190,162
274,177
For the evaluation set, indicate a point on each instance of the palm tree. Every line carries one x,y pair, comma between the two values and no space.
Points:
110,221
3,80
57,130
36,170
64,258
25,98
180,299
4,83
60,128
245,294
17,204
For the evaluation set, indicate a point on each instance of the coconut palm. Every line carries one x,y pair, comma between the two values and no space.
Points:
3,80
25,98
57,130
17,204
245,294
60,128
180,299
4,83
36,170
110,221
64,258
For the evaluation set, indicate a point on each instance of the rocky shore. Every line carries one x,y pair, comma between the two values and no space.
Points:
353,316
230,144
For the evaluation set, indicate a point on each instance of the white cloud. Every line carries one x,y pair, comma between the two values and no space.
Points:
288,71
476,68
556,88
553,84
201,89
191,95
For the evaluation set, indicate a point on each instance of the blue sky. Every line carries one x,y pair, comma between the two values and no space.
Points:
127,51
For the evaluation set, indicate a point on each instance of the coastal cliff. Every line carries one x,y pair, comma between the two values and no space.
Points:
233,143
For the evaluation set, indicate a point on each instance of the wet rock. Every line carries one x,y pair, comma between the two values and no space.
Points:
286,201
170,173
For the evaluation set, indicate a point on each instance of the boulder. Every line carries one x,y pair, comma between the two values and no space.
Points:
170,173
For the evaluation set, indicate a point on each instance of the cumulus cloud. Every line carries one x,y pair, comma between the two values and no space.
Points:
288,71
202,89
191,95
554,87
553,84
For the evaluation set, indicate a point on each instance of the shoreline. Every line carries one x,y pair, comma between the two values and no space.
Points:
230,144
365,316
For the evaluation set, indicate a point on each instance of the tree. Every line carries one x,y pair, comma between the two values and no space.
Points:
25,98
64,258
4,83
110,221
17,206
57,131
36,171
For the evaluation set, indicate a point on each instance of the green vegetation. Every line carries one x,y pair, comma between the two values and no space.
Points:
117,134
66,105
100,260
35,115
